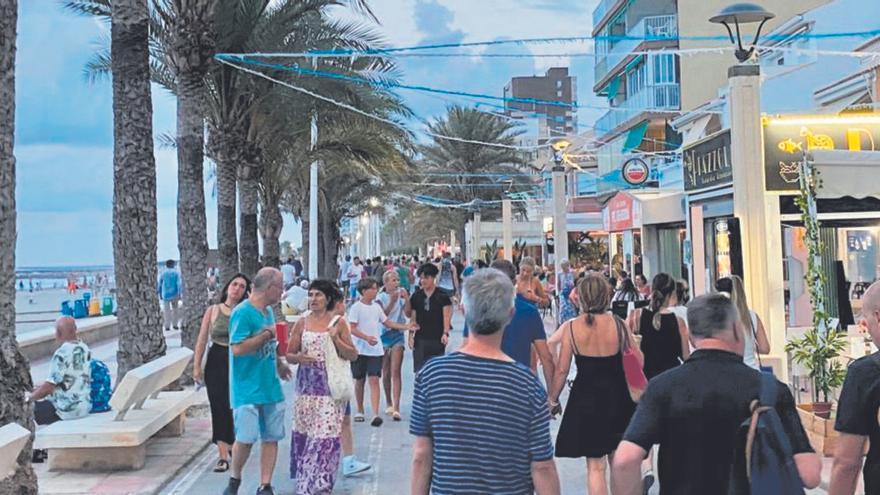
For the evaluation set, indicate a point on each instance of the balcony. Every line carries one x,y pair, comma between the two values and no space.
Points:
656,98
655,28
602,9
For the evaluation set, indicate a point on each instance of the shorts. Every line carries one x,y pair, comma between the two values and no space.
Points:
424,350
392,338
259,422
353,292
365,366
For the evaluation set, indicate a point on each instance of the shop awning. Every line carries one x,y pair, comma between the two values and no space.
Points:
584,222
843,103
660,208
847,173
634,137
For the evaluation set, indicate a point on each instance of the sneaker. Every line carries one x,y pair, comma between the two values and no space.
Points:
265,490
352,466
377,421
232,487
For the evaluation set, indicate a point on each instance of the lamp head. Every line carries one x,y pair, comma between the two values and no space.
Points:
742,13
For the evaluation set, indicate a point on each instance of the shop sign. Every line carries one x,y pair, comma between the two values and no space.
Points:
787,139
635,171
623,212
707,162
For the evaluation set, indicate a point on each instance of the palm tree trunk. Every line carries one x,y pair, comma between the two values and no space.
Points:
134,189
271,223
224,151
249,241
14,367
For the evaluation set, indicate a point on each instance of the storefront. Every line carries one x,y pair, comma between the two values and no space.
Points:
622,217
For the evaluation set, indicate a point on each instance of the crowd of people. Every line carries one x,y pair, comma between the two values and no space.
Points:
481,415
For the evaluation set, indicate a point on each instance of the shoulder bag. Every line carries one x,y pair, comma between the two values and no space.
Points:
632,368
339,379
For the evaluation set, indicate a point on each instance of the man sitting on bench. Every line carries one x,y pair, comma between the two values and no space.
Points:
68,386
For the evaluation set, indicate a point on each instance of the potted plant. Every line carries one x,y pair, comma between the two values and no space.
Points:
819,349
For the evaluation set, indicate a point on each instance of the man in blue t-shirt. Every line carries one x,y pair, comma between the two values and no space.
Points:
525,330
255,373
170,289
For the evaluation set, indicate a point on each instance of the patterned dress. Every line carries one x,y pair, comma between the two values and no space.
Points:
315,448
567,310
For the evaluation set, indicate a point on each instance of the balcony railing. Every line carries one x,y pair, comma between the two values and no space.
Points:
659,27
660,97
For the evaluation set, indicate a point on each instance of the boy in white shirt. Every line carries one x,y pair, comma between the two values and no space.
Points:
366,317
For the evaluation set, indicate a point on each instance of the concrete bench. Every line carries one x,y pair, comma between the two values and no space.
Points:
116,440
38,344
13,437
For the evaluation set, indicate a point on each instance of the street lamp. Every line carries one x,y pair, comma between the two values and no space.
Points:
742,13
560,226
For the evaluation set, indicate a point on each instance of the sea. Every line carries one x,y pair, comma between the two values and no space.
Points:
49,277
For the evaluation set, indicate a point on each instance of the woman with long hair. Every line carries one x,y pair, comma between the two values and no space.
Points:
395,302
627,292
599,405
315,447
756,341
566,283
215,327
528,285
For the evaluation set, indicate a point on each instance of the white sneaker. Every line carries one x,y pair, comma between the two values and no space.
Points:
352,466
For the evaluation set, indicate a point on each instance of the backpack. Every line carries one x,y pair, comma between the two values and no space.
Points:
769,462
101,390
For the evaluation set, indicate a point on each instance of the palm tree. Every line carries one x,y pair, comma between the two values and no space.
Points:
14,367
134,188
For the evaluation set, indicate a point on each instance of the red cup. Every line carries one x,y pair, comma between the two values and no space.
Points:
281,332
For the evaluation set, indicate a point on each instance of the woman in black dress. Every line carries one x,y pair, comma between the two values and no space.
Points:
215,328
664,340
599,404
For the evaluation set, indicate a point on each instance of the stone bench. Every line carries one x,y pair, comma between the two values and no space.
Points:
116,440
13,437
39,344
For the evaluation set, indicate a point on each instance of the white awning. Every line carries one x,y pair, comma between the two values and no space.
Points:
842,104
848,173
584,222
658,208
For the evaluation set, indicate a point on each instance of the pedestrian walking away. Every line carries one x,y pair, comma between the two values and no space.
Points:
214,371
565,285
432,310
395,302
255,373
599,405
367,317
315,447
481,419
757,342
170,291
695,412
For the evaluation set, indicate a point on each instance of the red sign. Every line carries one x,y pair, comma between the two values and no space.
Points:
635,171
621,213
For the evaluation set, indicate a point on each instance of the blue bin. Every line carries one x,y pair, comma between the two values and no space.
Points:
87,296
66,310
80,309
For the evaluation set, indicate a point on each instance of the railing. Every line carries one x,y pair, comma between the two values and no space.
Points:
659,27
660,97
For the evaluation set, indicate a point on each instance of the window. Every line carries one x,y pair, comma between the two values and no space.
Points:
663,69
635,80
558,84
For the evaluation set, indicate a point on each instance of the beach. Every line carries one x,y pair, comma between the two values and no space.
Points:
40,309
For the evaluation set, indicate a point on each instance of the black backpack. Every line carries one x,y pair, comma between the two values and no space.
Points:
769,462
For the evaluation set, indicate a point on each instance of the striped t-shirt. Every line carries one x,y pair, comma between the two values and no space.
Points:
488,421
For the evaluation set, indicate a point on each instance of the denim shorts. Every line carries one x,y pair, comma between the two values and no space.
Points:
392,338
259,422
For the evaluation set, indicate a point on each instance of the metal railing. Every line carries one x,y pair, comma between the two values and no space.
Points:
658,27
658,97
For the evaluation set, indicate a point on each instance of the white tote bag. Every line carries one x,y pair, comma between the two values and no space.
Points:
339,378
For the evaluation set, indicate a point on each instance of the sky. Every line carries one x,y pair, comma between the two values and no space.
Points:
64,123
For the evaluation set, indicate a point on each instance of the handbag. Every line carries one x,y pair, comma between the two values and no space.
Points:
339,379
636,380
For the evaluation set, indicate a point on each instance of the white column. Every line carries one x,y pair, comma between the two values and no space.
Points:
560,226
757,211
507,228
313,206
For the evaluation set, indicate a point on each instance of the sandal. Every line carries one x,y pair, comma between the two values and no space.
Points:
359,418
395,416
389,410
222,466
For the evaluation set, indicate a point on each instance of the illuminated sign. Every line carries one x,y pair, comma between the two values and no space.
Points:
787,139
707,162
635,172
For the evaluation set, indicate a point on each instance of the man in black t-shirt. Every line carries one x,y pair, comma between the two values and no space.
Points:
433,315
695,410
857,412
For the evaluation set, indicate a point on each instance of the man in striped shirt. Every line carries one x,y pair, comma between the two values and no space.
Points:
481,419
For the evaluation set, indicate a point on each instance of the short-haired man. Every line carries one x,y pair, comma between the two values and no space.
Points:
433,314
695,410
525,330
170,290
480,418
255,372
68,386
343,275
857,408
354,274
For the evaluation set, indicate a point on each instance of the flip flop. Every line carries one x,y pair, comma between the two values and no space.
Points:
359,418
222,466
395,416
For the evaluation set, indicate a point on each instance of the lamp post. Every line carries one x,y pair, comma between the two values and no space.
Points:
560,226
476,205
313,204
758,212
507,228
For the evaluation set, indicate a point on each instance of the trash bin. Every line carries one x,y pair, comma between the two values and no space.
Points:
80,310
94,307
107,306
87,296
66,309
